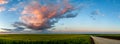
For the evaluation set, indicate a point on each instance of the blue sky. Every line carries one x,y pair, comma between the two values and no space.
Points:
93,16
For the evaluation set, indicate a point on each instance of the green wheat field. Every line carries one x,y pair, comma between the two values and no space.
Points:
44,39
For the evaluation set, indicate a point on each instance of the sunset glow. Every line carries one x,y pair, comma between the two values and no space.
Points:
88,16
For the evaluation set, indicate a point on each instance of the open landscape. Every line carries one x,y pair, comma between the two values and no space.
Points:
59,21
45,39
52,38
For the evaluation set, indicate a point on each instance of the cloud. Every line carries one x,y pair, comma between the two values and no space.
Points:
17,29
6,29
12,9
3,1
17,7
2,8
119,16
41,17
38,16
95,13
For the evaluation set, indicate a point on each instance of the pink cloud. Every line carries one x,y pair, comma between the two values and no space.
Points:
2,9
3,1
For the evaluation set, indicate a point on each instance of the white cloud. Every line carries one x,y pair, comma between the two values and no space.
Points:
17,6
119,16
12,9
2,9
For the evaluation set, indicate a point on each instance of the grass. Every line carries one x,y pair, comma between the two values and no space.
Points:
44,39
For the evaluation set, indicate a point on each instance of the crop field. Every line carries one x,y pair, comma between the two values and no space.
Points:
44,39
111,36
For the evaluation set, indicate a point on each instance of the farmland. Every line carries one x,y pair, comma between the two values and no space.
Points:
52,38
44,39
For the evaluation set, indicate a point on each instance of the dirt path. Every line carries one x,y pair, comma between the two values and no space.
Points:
100,40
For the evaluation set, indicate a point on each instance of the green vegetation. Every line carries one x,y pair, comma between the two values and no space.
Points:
44,39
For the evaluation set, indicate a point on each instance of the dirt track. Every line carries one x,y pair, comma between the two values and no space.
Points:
100,40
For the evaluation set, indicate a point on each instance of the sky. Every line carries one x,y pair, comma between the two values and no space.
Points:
60,16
